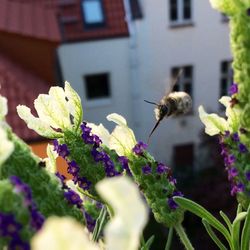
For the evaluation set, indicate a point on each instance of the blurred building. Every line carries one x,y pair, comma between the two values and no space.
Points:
116,53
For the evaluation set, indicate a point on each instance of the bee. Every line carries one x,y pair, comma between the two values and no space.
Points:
172,104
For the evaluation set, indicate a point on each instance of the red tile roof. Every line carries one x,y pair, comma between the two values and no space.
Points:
29,19
72,24
20,86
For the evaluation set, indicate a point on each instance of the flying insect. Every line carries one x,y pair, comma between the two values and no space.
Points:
172,104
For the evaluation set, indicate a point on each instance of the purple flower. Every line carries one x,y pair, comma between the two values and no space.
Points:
139,148
236,188
86,136
229,160
98,156
23,188
236,137
161,168
223,149
243,148
172,204
9,226
62,178
73,198
73,168
247,174
37,219
227,133
233,89
62,149
17,243
97,140
146,170
172,180
124,162
84,183
90,222
232,172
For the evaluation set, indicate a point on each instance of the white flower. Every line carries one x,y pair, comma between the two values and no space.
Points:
121,233
3,108
50,161
62,234
125,228
215,124
6,146
55,112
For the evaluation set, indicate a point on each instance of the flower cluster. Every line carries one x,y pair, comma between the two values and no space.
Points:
234,152
157,170
37,219
11,229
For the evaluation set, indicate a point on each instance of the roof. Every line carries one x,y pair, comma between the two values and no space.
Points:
20,86
72,25
29,19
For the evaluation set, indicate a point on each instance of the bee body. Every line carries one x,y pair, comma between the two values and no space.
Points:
176,103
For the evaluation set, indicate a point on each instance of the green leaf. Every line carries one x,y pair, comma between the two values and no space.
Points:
226,219
245,240
147,245
100,222
213,235
170,237
201,212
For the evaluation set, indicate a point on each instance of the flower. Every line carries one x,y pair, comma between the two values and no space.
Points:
243,148
232,172
171,203
229,160
61,149
124,162
247,174
237,188
215,124
17,243
6,146
73,168
37,219
235,137
233,89
122,232
125,228
139,148
146,170
9,226
73,198
161,168
84,183
49,124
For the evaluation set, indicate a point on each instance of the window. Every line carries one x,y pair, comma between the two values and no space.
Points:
97,86
93,13
136,10
180,12
226,78
184,82
183,160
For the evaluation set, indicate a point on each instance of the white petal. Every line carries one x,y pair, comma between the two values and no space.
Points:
74,104
51,160
125,228
213,123
40,126
101,131
62,234
6,146
122,140
3,107
118,119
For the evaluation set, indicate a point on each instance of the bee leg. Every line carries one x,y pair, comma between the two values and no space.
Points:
151,103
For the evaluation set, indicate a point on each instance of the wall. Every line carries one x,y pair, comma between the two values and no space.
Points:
79,59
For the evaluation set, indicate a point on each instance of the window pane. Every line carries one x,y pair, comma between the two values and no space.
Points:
187,72
224,67
188,88
97,86
187,9
92,10
173,10
223,87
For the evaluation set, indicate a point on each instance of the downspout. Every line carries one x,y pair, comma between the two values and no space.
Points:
134,66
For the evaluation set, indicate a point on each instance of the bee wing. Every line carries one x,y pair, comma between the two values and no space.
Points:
174,81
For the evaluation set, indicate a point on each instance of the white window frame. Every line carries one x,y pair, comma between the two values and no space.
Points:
180,14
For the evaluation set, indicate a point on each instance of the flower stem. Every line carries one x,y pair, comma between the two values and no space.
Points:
170,237
183,236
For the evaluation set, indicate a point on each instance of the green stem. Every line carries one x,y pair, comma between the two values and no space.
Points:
170,237
183,236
